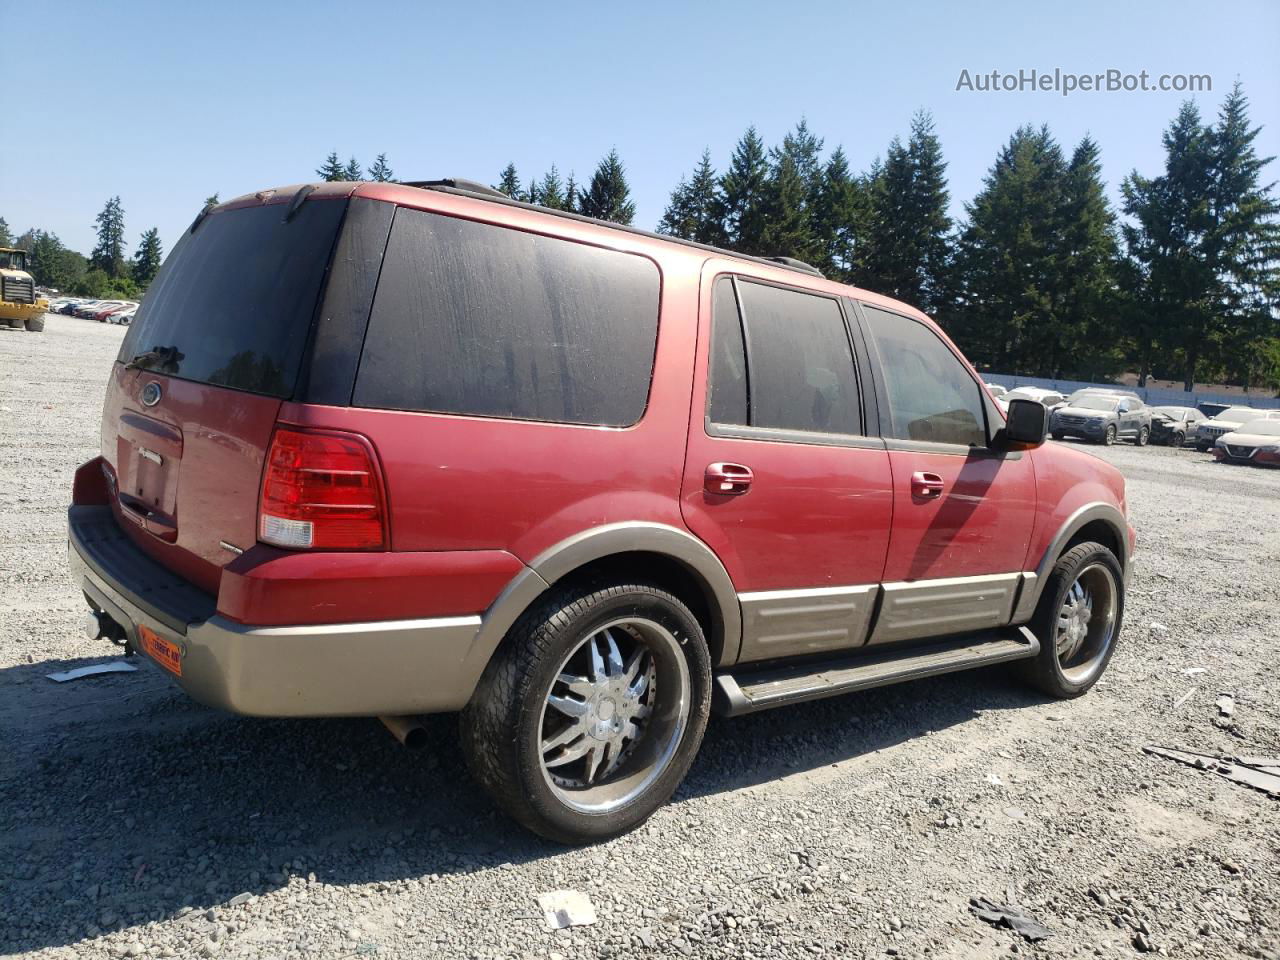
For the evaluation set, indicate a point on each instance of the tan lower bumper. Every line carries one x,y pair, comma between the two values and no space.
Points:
352,669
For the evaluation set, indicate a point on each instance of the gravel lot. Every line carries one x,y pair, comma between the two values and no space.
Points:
134,822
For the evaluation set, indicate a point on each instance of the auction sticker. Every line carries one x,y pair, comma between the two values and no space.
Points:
164,652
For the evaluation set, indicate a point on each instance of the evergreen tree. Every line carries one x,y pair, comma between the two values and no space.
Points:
787,230
839,218
211,202
743,188
1008,257
108,255
907,250
352,171
147,259
551,190
805,151
695,211
571,194
380,172
509,182
331,170
608,197
6,237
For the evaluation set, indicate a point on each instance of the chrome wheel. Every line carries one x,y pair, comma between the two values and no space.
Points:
614,715
1086,624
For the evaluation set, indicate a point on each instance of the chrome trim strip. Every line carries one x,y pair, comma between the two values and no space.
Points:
784,623
911,610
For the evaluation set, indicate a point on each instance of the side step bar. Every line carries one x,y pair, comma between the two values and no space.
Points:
750,691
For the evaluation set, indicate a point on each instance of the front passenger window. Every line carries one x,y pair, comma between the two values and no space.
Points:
932,396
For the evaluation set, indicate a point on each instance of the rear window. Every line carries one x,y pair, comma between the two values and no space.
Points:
233,303
471,318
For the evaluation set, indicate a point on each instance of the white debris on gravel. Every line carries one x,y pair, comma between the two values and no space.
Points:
93,670
859,826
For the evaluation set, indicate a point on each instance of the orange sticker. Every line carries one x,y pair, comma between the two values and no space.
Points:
164,652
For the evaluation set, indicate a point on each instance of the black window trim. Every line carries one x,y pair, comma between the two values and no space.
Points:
990,416
868,439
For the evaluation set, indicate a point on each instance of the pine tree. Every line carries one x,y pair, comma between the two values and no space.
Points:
331,170
571,194
6,237
147,259
211,202
743,187
839,218
551,190
380,172
509,182
787,230
352,171
696,211
1009,268
108,255
907,248
608,197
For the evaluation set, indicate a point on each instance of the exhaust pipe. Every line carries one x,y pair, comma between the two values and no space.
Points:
408,730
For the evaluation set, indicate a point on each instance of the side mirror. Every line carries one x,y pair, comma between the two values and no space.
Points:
1027,421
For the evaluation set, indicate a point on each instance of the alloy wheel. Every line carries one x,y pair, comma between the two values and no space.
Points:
1086,623
614,715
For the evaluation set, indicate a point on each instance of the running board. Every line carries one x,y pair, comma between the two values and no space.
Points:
749,691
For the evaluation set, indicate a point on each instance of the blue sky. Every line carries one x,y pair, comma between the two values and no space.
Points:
166,103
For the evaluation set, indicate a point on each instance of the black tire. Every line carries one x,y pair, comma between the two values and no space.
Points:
1109,437
1177,440
1046,670
1144,435
1058,436
502,726
35,324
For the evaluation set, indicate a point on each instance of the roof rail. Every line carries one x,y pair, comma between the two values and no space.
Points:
472,188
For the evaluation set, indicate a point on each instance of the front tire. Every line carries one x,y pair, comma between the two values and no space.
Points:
1077,620
1109,438
1177,440
590,713
35,324
1144,434
1058,436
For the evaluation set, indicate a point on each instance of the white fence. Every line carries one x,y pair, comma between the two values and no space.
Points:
1153,396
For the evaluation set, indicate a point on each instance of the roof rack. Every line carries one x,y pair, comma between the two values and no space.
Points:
472,188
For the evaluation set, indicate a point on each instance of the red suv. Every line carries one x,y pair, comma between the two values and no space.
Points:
390,449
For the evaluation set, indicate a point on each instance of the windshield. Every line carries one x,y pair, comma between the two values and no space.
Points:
13,260
1096,403
1265,428
234,301
1240,414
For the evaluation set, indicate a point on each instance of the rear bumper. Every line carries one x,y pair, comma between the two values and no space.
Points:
349,669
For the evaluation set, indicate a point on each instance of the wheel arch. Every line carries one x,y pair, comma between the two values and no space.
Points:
1098,521
672,558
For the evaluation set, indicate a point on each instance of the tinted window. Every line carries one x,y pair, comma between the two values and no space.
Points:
476,319
728,378
932,396
234,301
800,362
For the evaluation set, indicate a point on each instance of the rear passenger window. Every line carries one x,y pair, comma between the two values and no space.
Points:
471,318
799,361
932,396
728,378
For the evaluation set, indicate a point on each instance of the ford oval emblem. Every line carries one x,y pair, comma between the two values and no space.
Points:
151,394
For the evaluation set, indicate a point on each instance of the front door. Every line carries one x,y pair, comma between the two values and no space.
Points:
781,479
962,512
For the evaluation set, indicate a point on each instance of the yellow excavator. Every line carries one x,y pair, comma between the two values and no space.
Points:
19,305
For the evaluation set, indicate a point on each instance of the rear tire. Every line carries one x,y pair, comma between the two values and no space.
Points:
35,324
1058,436
1144,434
545,732
1077,620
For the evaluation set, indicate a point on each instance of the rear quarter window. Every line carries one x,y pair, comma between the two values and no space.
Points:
472,318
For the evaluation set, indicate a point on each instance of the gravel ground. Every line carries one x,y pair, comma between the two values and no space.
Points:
134,822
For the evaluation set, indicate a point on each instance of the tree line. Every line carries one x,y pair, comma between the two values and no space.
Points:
1041,277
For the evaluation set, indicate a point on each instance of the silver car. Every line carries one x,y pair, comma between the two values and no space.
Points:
1102,418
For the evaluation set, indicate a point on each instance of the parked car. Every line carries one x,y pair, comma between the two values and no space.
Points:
1050,398
995,390
70,306
124,317
103,314
1175,426
90,310
1212,409
1103,392
1102,418
1255,442
391,449
1229,420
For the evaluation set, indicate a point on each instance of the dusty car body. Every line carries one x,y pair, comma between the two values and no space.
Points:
1175,426
1102,418
1257,442
1228,421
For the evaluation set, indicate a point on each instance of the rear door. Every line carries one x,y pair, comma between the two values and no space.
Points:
215,347
781,478
962,512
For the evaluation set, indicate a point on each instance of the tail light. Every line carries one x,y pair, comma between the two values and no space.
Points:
322,490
